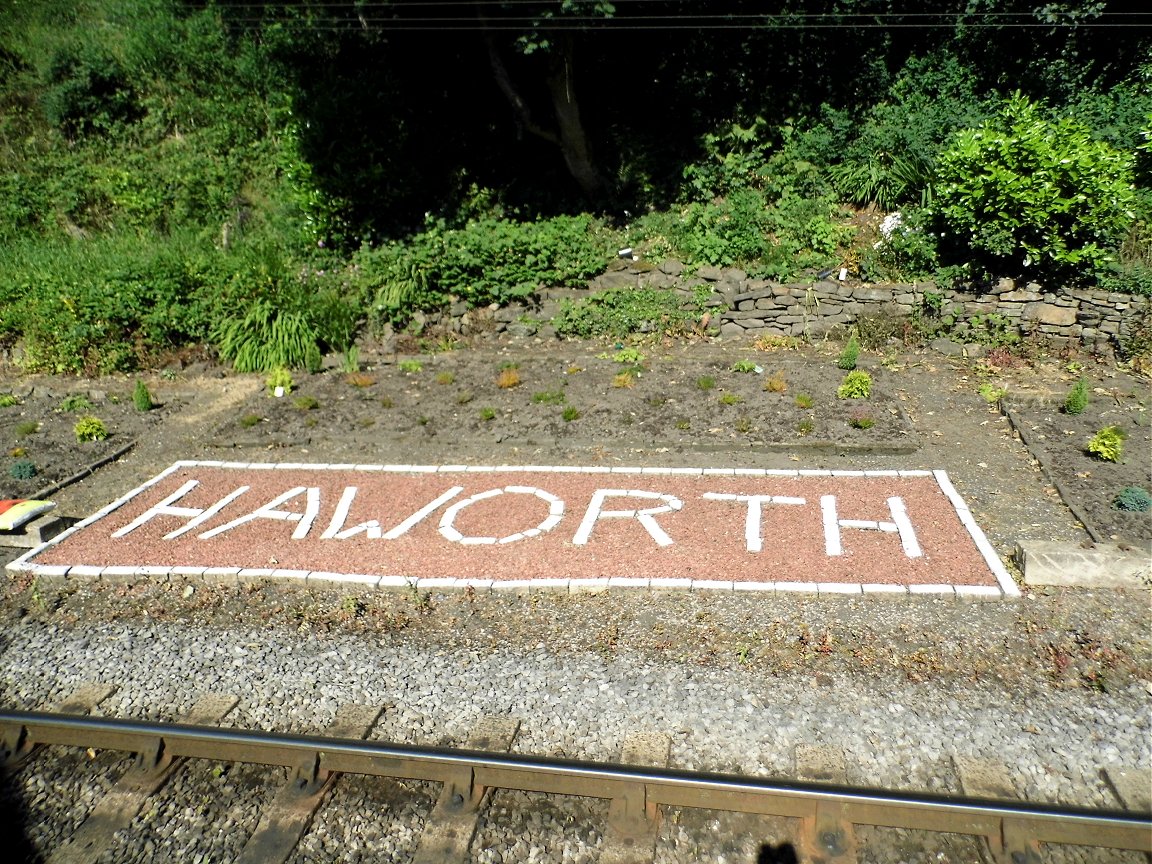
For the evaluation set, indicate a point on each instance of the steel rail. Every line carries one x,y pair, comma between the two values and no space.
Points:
637,787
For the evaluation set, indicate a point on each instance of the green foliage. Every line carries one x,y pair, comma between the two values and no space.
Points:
803,400
1025,191
731,399
571,413
908,252
1077,399
491,260
744,366
90,428
410,367
549,397
861,420
22,469
705,383
26,428
276,315
1133,499
805,427
850,354
487,414
279,379
1107,444
991,393
856,385
249,420
76,402
7,400
617,313
141,397
306,403
629,356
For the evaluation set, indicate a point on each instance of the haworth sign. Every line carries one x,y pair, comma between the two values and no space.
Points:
550,526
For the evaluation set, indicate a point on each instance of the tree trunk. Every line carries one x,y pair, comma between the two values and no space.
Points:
573,139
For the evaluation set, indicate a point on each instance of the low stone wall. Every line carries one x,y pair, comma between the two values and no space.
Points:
745,307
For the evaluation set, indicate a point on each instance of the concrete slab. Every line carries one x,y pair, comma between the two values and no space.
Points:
1047,562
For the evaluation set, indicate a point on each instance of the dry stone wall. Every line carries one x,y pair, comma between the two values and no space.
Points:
746,307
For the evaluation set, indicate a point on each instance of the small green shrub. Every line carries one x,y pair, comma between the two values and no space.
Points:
731,399
1107,444
805,427
280,378
851,352
861,420
445,377
546,397
744,366
629,356
7,400
705,383
1133,499
487,414
1077,399
571,413
22,469
306,403
743,425
683,425
90,428
249,420
26,428
992,393
410,367
803,400
464,397
856,385
76,402
141,398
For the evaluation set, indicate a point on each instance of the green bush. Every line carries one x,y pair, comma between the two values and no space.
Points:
1107,444
141,397
617,313
7,400
850,354
22,469
1077,399
90,429
490,260
1026,191
856,385
1133,499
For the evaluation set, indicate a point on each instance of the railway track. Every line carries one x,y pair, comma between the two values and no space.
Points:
825,818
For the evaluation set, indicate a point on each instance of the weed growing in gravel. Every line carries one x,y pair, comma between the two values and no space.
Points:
423,420
7,400
683,425
775,383
744,366
624,381
306,403
850,354
1077,399
991,392
279,380
508,378
445,377
76,402
386,402
487,414
28,427
805,427
856,385
630,356
571,413
17,452
410,367
1132,499
573,370
743,425
656,400
350,362
22,469
803,400
768,342
861,420
730,399
359,380
1107,444
463,398
89,428
249,420
706,382
548,397
366,422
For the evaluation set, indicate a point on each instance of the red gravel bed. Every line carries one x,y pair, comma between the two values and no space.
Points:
516,529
